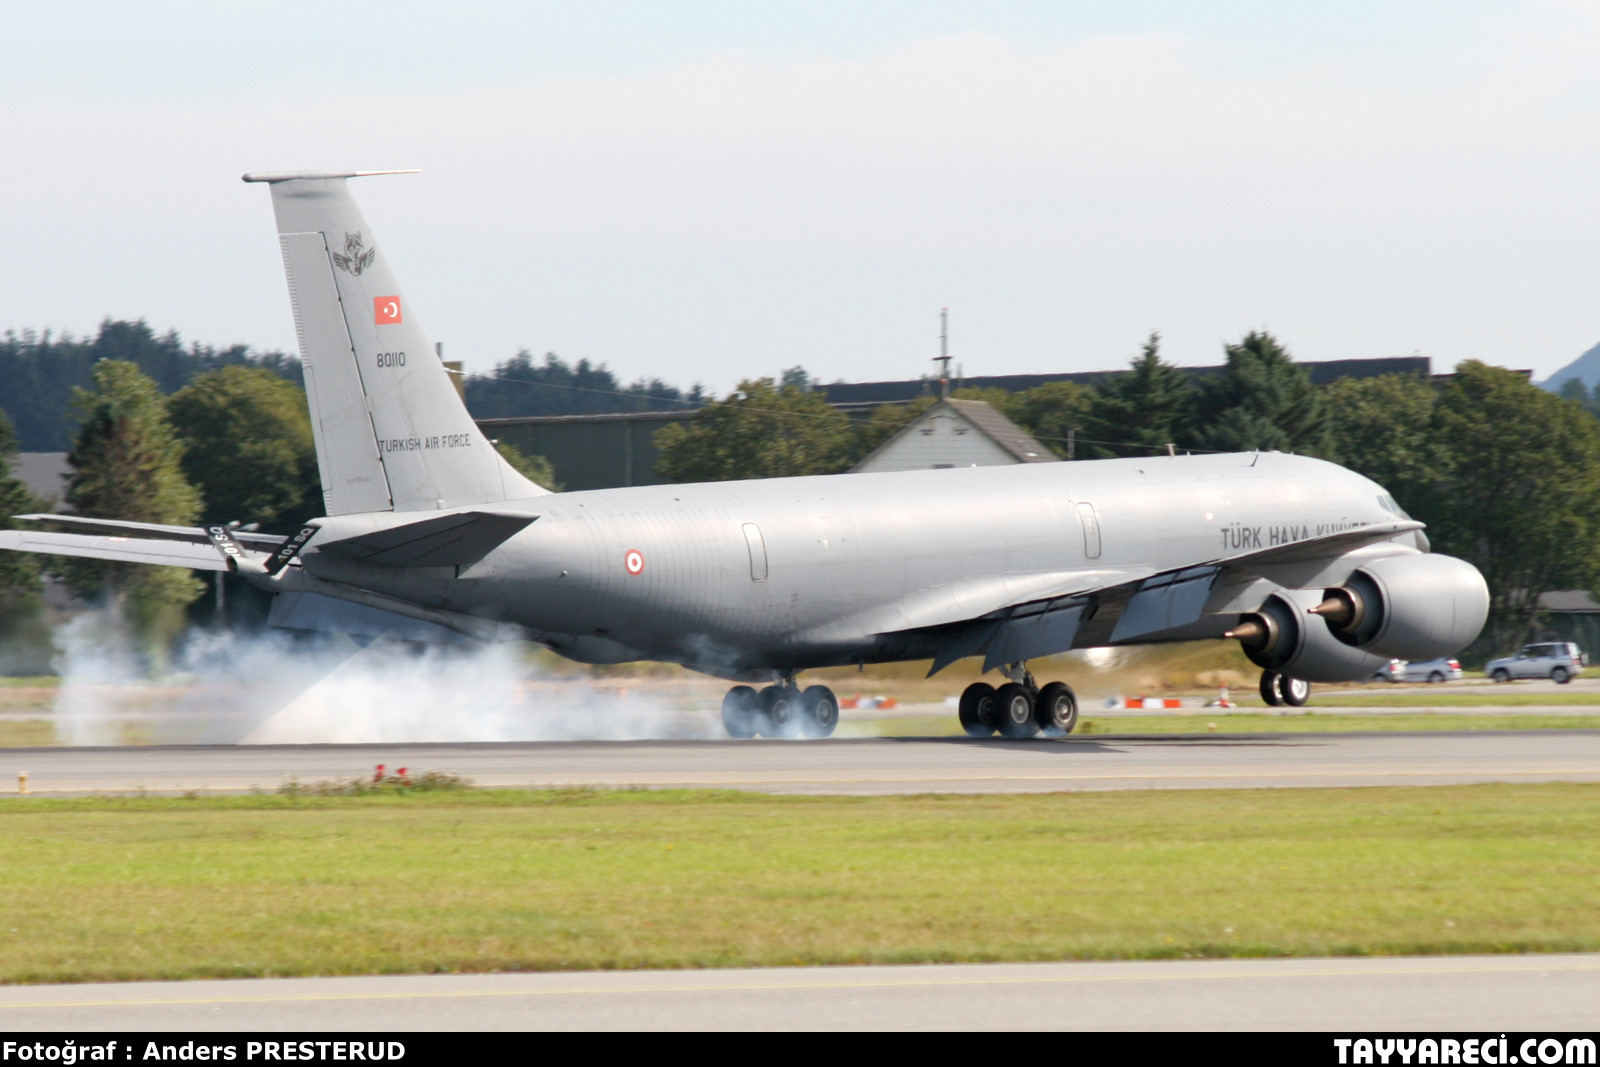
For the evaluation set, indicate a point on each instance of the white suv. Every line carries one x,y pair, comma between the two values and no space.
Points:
1559,661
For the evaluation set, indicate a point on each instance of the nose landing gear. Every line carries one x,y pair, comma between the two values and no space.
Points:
1020,708
780,711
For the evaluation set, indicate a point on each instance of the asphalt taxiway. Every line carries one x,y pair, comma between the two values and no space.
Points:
846,766
1459,994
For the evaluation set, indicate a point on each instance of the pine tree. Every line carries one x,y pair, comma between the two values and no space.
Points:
19,571
127,464
1143,410
1262,401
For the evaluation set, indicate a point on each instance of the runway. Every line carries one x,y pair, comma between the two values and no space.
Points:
1462,994
862,766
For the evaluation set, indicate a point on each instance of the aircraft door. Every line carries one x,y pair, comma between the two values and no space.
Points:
758,552
1091,530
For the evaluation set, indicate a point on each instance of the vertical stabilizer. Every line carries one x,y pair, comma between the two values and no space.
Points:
391,430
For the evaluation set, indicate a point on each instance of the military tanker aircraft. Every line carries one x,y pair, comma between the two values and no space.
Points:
430,535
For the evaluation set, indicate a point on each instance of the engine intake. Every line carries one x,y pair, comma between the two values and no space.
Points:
1408,607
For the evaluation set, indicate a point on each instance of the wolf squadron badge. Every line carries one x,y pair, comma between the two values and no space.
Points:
354,259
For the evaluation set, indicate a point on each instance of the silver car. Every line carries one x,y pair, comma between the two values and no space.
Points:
1428,670
1559,661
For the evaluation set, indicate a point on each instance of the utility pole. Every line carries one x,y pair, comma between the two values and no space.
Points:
943,358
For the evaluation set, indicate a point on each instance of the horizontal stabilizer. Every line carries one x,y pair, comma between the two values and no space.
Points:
260,542
443,541
161,552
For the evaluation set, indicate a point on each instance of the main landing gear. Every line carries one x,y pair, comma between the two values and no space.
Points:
1020,708
1279,689
782,710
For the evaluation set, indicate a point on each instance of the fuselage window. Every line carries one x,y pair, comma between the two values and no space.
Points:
1091,530
758,552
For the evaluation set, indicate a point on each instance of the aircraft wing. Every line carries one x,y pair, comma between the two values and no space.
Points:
261,542
164,552
437,541
1044,616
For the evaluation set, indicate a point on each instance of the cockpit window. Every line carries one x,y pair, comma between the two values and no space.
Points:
1387,503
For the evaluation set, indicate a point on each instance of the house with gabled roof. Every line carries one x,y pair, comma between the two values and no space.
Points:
956,433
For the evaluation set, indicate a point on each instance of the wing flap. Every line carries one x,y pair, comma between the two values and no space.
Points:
443,541
261,542
1165,602
1045,634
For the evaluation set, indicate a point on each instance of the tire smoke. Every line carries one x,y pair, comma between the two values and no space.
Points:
277,687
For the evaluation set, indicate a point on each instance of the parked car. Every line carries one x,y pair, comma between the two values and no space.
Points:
1559,661
1428,670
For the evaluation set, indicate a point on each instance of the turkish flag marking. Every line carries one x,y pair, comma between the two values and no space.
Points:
385,309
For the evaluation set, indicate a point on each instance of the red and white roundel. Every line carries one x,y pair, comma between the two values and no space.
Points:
633,560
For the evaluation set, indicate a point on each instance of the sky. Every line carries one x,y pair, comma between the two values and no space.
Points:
705,191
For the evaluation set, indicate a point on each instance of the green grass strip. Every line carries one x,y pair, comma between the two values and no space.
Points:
26,733
133,888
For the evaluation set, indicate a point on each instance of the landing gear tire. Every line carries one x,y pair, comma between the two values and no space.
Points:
977,710
1294,691
1056,710
1014,711
741,712
780,711
819,711
1269,688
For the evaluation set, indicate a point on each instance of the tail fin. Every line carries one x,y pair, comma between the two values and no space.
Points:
391,431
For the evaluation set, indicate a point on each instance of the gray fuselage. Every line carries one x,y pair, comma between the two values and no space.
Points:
795,572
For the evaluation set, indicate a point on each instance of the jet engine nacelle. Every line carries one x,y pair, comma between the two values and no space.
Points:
1284,636
1408,607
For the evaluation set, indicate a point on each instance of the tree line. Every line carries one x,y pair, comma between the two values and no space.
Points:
1504,474
43,369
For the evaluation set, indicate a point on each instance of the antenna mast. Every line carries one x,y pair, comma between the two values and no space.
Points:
943,358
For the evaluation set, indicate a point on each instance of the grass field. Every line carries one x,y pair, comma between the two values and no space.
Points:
26,733
124,888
